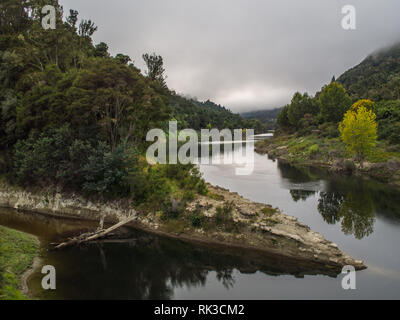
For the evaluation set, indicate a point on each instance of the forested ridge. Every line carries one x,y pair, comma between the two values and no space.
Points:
376,78
76,117
351,124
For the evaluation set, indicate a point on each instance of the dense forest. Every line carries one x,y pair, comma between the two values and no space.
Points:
75,117
375,82
376,78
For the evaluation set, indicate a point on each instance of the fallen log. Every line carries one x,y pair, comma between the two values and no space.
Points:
96,235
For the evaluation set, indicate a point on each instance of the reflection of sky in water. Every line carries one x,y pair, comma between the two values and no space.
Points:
361,217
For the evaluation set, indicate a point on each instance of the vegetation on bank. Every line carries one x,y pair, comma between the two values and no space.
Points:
17,251
76,118
352,124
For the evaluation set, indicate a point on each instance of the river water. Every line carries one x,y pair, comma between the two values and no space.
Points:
361,216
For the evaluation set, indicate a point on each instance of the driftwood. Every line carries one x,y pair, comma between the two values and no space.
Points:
94,236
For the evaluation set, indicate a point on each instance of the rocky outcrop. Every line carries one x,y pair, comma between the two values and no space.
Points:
256,226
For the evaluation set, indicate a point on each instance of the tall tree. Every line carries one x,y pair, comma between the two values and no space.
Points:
334,102
155,67
359,131
301,105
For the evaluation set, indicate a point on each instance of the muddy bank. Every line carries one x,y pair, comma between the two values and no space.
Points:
226,219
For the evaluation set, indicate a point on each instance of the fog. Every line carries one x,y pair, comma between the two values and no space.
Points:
244,54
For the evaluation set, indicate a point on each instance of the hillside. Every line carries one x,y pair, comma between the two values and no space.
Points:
376,78
197,115
268,117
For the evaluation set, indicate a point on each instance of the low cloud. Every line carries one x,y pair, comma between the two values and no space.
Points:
245,54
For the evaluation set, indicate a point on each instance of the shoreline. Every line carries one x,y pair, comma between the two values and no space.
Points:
226,219
25,277
382,172
21,254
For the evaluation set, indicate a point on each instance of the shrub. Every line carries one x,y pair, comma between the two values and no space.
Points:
359,131
313,149
56,159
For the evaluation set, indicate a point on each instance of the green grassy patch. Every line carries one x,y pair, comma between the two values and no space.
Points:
17,251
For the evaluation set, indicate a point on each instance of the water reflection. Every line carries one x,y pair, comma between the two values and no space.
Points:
142,266
303,195
347,201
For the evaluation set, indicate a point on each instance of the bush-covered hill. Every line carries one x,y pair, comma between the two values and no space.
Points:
75,117
376,78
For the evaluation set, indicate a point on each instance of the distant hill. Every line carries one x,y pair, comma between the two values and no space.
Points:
197,115
376,78
268,117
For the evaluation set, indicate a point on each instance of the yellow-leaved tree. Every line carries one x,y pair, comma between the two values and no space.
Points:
359,130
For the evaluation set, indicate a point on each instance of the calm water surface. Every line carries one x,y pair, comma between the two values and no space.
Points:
362,217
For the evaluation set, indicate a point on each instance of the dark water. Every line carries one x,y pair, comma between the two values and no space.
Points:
362,217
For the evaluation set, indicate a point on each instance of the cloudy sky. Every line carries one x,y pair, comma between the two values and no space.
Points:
245,54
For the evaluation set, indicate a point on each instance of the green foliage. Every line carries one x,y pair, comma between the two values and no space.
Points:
313,149
155,67
197,219
388,118
268,211
73,116
17,251
334,102
359,131
376,78
283,119
56,158
301,105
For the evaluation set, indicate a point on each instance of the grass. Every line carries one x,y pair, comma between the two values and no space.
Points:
314,147
17,251
268,211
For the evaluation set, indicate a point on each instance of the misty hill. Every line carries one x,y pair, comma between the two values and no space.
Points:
376,78
197,115
268,117
263,115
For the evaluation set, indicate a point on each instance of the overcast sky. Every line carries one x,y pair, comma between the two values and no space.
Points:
244,54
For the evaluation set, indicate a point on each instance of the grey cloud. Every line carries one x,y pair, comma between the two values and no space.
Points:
245,54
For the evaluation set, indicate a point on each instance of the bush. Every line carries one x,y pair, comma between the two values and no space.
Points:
359,132
56,159
313,149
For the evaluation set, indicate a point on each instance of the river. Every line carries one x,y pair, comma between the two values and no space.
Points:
361,216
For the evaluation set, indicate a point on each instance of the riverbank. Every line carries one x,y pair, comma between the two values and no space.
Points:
221,218
17,255
330,153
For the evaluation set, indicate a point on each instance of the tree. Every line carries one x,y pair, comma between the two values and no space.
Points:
155,68
359,131
368,104
101,50
86,28
301,105
124,59
334,102
283,120
394,86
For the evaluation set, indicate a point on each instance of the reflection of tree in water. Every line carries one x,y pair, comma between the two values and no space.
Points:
302,195
358,215
297,174
355,211
153,267
329,204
